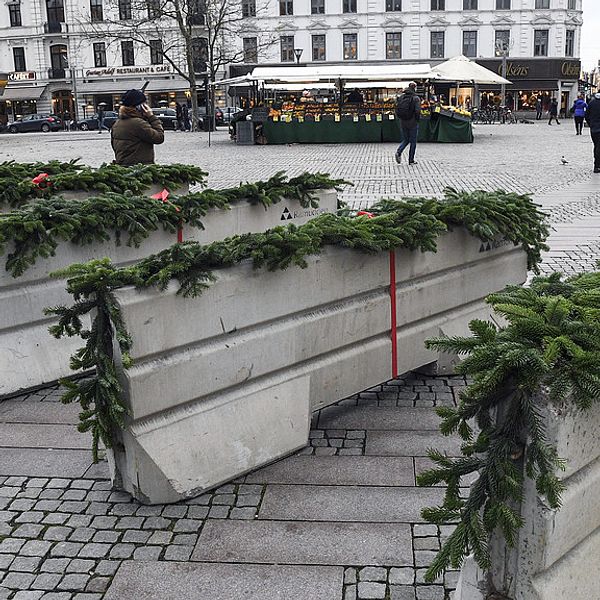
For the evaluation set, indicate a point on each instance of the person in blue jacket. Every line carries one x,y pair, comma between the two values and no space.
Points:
579,110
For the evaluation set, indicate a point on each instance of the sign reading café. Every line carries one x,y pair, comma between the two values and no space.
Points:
116,71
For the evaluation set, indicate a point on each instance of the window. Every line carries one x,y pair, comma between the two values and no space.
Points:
349,6
318,47
156,52
317,7
438,4
196,12
56,11
286,7
287,48
437,44
59,61
540,42
19,58
502,42
124,10
570,43
393,45
350,46
502,4
470,43
127,55
14,12
469,4
542,3
153,7
96,11
250,50
100,54
248,8
199,54
393,5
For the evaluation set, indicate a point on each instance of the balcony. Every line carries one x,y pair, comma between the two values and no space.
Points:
54,27
57,74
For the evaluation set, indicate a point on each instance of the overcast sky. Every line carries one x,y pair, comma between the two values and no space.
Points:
590,43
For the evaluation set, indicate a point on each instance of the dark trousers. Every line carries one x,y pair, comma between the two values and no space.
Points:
409,137
538,115
555,118
596,140
579,125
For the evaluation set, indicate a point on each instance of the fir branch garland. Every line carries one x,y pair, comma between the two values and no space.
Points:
36,229
411,224
551,345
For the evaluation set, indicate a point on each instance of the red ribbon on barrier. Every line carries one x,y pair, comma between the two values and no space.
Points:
164,197
42,181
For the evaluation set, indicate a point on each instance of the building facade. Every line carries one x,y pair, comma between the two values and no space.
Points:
541,37
53,60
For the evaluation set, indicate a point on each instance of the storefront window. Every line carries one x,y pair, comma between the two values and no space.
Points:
287,48
23,107
127,55
570,42
393,45
318,47
19,59
14,13
250,50
437,44
470,43
100,54
350,46
96,11
540,42
470,4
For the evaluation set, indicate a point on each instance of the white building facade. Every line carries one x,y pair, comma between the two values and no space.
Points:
542,37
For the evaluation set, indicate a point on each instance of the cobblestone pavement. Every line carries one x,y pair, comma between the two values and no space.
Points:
343,512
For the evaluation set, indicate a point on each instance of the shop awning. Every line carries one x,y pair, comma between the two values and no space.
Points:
120,86
14,92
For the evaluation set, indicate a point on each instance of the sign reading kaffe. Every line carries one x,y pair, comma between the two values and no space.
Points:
112,71
21,76
553,68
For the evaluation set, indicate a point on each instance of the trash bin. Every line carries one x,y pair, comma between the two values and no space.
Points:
244,133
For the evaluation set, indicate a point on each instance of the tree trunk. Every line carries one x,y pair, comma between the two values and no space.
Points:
192,81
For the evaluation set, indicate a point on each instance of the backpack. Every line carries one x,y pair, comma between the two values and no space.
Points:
405,107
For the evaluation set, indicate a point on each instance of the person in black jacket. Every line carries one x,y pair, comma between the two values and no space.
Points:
554,111
592,116
408,111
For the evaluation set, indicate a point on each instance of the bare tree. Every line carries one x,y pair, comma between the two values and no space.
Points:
198,38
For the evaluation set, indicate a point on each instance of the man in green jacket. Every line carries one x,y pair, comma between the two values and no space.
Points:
136,131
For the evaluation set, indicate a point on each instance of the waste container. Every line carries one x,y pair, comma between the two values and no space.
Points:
244,133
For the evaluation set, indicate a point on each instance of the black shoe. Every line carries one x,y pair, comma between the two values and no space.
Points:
596,170
412,162
398,158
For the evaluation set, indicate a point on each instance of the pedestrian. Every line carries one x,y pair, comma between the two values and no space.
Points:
136,131
592,116
100,116
539,109
579,109
553,112
408,111
185,113
179,113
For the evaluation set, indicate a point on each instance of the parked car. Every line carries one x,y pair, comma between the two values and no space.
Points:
228,112
43,123
91,123
168,117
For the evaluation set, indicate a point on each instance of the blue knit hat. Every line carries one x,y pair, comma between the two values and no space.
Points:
133,98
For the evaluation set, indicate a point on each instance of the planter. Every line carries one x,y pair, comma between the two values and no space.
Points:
551,560
226,382
31,358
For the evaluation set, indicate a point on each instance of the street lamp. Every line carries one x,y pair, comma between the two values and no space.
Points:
503,49
298,53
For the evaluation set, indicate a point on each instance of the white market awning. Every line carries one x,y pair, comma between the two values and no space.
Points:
15,92
460,69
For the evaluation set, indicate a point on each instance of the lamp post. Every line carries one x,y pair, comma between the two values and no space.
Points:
298,53
503,49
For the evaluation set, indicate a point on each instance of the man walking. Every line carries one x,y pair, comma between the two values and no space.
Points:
592,116
538,109
408,111
554,112
101,124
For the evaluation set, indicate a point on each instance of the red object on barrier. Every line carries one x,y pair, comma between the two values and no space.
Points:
365,213
164,197
42,181
393,317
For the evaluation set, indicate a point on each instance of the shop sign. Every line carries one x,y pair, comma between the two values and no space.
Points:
142,70
21,76
550,68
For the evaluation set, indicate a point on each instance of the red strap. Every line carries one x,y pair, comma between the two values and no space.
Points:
164,197
393,324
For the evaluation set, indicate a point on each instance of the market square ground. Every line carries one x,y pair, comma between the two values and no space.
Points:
341,520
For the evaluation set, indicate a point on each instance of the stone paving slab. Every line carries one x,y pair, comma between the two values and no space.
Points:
378,417
311,543
17,411
358,504
337,470
30,435
409,443
33,462
196,581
